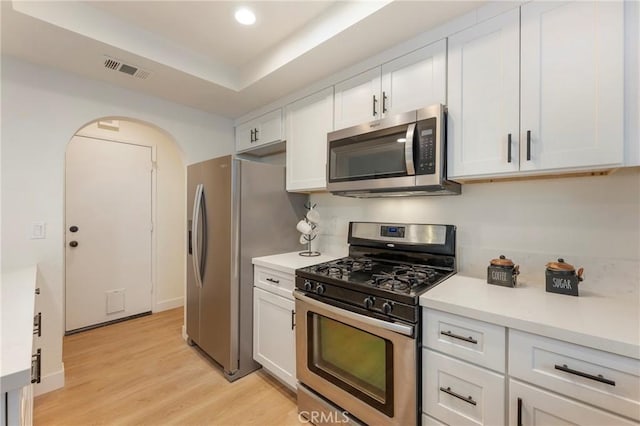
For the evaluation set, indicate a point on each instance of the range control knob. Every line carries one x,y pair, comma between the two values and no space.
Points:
368,302
387,307
308,285
320,289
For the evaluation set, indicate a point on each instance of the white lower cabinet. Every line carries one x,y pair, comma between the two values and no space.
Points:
274,335
459,393
549,382
531,406
589,375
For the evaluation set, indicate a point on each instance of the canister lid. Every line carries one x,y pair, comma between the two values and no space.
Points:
560,265
502,261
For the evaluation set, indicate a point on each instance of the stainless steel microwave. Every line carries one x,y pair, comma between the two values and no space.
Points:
394,156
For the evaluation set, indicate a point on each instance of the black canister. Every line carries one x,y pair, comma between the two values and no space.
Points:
503,272
562,278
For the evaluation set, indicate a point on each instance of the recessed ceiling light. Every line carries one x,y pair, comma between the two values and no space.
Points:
245,16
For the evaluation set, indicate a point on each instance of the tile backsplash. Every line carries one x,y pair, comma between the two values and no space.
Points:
591,222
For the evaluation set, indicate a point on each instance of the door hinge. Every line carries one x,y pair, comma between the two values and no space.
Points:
154,165
151,226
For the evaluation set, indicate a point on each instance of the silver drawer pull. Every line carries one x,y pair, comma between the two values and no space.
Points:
598,378
455,336
271,280
468,400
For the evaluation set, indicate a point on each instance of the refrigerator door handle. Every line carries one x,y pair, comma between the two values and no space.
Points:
194,231
202,257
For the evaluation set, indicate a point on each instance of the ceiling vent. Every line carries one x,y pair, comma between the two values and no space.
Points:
132,70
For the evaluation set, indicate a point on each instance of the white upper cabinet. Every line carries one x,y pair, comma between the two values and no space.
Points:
410,82
484,102
261,131
415,80
570,109
307,123
572,84
356,98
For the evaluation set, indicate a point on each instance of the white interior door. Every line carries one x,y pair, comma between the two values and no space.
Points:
108,231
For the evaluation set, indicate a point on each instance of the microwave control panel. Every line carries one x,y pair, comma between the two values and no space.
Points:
425,161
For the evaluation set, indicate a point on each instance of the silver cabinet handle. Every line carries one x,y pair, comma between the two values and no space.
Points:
37,324
36,363
468,400
599,378
455,336
271,280
375,101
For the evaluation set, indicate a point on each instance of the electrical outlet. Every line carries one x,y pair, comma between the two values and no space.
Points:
38,230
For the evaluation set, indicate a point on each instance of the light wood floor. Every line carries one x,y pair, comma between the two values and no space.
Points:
141,372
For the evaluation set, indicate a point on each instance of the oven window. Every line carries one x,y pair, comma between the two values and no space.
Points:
375,157
355,360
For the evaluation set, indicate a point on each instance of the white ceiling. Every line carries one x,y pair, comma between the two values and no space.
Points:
199,56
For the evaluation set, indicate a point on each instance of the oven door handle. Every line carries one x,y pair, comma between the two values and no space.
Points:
391,326
408,150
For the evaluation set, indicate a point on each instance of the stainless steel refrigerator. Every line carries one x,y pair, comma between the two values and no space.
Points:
237,210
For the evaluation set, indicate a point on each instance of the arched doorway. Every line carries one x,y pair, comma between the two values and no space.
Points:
125,180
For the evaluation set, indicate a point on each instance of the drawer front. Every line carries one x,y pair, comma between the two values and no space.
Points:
600,378
459,393
532,406
274,281
471,340
430,421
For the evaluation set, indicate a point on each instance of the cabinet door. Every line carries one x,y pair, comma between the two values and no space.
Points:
357,100
483,119
269,128
273,335
572,75
307,123
244,136
532,406
415,80
459,393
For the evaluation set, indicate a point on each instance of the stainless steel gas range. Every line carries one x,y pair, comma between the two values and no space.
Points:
358,323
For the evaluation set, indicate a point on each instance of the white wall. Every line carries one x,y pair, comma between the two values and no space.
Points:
591,222
42,109
169,207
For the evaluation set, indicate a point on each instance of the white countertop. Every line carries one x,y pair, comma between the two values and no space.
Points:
594,320
289,262
17,309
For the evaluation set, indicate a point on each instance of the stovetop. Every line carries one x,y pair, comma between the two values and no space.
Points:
382,289
396,278
389,266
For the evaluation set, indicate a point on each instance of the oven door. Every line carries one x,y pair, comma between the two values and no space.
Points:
364,365
376,155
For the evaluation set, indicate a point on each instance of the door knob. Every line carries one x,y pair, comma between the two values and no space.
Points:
73,244
73,228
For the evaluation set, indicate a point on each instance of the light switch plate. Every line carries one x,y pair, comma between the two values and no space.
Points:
38,230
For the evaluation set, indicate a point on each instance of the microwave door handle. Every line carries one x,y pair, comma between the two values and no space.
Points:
408,150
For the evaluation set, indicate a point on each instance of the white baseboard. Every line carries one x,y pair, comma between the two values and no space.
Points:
184,332
165,305
50,382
